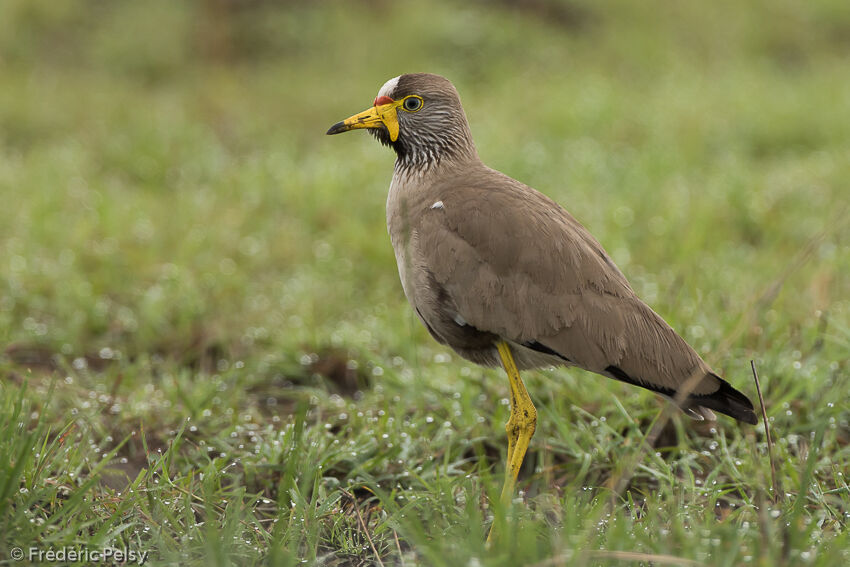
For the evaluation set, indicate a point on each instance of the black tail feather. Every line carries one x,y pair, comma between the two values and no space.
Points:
726,399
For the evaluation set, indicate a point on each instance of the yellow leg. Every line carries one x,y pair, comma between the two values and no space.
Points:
520,426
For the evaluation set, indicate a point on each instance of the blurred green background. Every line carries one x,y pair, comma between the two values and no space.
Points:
178,238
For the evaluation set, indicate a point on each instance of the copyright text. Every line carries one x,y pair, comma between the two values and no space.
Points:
79,555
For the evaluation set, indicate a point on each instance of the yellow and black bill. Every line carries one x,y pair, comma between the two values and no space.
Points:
383,115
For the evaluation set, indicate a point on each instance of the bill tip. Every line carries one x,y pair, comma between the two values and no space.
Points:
336,128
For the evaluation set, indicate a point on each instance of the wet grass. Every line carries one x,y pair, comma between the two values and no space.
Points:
206,351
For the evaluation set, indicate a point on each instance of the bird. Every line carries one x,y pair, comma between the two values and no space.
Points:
506,277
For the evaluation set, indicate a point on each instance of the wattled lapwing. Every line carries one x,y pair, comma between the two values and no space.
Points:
505,276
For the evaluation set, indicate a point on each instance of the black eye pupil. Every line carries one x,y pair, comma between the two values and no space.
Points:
411,103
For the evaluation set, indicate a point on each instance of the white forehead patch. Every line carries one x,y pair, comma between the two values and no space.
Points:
389,87
438,205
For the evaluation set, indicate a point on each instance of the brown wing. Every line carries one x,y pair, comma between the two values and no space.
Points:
518,265
513,247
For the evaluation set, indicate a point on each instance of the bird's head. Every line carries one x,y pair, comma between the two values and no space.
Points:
420,116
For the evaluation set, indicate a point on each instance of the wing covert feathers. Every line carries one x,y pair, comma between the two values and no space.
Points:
517,265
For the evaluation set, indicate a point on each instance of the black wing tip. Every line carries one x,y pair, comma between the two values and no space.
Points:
729,401
726,399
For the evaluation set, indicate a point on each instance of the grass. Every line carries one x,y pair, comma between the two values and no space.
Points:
206,352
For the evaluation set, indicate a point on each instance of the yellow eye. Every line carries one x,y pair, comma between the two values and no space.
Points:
412,103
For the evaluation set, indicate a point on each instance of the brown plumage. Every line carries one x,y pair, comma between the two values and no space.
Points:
484,258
